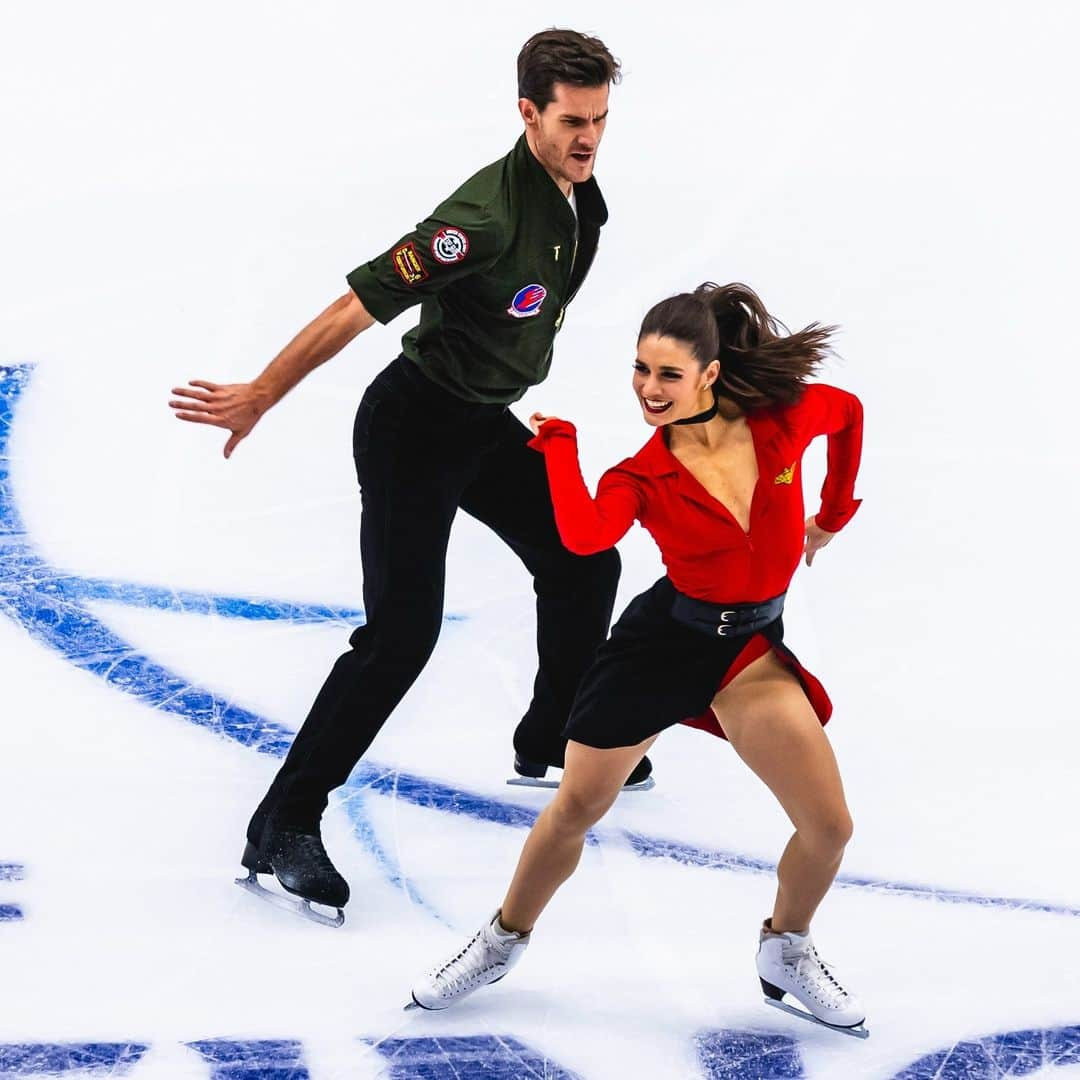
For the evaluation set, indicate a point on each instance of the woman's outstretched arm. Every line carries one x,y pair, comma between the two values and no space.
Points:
586,525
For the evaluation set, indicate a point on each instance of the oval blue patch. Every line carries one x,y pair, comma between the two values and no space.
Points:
527,301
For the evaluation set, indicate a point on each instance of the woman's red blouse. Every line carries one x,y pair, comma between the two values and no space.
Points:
706,552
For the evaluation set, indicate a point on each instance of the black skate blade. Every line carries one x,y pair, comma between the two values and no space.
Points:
298,905
527,781
856,1031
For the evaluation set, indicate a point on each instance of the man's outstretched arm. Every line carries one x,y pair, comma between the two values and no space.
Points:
238,406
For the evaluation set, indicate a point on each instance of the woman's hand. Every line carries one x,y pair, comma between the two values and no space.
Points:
538,420
816,539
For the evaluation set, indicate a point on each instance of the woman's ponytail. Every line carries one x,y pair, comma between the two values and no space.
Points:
761,362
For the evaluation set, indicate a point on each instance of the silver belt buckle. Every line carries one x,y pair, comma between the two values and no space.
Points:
722,629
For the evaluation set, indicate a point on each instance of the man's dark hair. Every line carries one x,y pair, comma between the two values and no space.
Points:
562,56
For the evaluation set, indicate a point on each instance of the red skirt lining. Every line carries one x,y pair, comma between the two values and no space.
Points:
754,649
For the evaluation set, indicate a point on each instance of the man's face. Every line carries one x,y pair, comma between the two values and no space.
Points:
566,135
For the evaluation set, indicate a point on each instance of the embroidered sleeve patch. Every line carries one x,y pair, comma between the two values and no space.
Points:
449,245
408,265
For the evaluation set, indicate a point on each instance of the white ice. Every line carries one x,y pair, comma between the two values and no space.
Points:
184,186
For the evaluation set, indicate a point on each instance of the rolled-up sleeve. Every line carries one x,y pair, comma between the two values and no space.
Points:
459,239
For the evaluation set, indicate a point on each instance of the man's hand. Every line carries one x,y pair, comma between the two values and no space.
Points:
816,539
236,406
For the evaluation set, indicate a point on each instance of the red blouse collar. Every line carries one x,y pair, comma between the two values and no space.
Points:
655,459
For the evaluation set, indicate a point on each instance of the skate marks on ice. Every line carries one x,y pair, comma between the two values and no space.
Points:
226,1060
739,1055
1013,1053
652,847
732,1055
492,1057
453,1057
430,794
10,912
721,1055
51,606
56,1059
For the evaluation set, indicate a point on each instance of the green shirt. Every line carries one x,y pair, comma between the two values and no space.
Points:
492,269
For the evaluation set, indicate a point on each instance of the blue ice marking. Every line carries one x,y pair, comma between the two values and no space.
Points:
748,1055
229,607
50,1059
712,859
353,799
10,872
50,606
1014,1053
475,1057
268,1059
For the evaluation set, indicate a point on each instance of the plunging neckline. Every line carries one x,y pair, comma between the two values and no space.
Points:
709,495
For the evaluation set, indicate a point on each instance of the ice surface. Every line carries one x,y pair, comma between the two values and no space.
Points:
179,196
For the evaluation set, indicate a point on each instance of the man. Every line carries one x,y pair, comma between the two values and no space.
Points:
493,269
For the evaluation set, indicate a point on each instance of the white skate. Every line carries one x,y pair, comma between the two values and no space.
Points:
789,964
486,958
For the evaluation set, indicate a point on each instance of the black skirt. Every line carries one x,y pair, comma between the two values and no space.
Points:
654,672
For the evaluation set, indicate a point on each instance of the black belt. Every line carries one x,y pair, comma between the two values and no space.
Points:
725,620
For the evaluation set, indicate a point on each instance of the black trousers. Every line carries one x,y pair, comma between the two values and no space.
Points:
420,454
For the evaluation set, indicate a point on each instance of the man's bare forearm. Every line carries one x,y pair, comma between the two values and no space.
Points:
324,337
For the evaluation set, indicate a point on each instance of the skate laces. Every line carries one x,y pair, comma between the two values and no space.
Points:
468,964
811,969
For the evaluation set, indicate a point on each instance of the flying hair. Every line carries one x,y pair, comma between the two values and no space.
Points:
762,364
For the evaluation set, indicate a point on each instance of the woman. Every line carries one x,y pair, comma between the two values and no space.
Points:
718,487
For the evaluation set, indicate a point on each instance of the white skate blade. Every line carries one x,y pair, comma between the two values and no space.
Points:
858,1031
534,782
298,905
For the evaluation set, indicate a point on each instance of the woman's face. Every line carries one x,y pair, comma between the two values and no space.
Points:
669,382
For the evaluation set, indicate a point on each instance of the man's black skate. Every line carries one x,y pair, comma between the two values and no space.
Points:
531,774
297,858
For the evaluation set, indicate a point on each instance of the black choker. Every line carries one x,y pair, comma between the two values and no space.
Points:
701,417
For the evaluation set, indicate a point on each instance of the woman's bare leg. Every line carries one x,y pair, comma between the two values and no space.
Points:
773,728
590,784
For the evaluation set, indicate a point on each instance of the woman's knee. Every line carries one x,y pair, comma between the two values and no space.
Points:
828,833
575,811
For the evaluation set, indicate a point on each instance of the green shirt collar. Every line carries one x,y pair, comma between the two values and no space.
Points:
591,207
